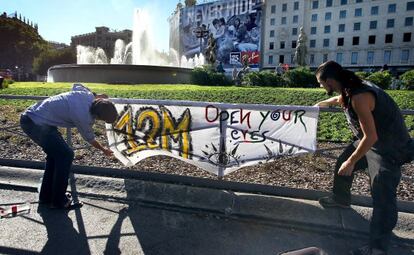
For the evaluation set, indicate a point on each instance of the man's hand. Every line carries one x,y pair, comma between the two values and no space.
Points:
346,168
108,152
333,101
105,150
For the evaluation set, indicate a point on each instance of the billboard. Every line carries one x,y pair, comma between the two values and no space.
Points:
234,24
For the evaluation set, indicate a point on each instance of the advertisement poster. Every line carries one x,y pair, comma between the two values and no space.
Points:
235,25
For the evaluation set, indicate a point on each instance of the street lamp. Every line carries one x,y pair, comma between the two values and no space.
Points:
17,72
201,32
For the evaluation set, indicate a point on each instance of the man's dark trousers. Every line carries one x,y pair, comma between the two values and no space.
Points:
58,161
385,177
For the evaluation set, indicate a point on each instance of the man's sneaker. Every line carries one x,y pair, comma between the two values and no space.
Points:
331,202
366,250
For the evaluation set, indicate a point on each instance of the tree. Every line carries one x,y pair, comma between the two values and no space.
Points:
189,3
19,44
50,57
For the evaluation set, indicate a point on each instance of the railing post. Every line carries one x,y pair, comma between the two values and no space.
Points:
69,137
223,160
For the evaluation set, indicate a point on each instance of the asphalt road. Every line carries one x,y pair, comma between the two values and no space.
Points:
111,226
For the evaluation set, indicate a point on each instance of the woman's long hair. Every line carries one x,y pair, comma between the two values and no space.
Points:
348,79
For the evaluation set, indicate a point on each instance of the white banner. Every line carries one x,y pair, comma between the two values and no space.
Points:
219,138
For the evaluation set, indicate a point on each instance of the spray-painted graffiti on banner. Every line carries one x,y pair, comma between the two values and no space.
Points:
218,138
234,24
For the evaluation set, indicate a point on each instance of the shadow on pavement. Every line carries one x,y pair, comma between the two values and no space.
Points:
62,237
176,230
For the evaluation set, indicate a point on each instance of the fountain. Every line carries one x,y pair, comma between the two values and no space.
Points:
133,63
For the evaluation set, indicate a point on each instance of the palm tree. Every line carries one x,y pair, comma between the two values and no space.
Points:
189,3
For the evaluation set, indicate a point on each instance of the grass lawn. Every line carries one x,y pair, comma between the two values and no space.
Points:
332,126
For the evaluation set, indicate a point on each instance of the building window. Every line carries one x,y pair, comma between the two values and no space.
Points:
293,44
282,59
339,57
284,7
392,8
370,58
271,46
328,16
273,9
405,55
373,24
342,14
358,1
272,33
388,38
312,43
329,3
314,17
354,58
344,2
410,6
295,19
282,44
355,40
292,58
325,57
408,21
341,41
390,23
272,22
357,26
387,56
407,37
312,59
371,39
270,61
313,30
295,31
296,6
341,28
283,21
327,29
325,43
374,10
315,4
358,12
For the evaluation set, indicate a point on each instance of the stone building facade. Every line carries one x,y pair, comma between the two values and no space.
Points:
359,34
102,38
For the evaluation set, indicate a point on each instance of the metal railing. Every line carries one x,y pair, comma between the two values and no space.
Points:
322,152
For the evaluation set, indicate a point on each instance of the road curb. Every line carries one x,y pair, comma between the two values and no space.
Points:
282,211
365,201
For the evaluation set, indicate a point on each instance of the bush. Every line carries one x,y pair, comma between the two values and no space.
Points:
408,80
301,77
362,75
382,79
263,78
206,75
6,83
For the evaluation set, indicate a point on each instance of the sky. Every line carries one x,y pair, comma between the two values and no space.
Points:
58,20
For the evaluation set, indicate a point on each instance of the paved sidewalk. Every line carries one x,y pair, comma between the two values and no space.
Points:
140,217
